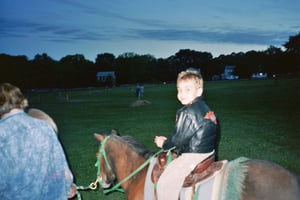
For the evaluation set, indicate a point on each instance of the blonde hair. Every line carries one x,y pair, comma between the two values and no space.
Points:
11,97
191,75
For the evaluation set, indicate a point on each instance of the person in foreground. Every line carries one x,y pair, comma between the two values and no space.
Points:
33,164
194,137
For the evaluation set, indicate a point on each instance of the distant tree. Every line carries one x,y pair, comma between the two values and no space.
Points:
14,69
134,68
42,72
43,58
272,61
124,67
292,54
293,45
105,62
148,71
186,58
76,71
164,72
272,50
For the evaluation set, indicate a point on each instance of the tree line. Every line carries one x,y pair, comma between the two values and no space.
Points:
73,71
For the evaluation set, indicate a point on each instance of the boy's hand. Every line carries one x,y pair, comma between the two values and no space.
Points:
159,141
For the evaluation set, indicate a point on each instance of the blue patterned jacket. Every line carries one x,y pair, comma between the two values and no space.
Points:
32,161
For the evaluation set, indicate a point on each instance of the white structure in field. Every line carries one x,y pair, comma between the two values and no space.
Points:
104,76
229,73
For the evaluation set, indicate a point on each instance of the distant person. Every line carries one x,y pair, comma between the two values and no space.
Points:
33,164
137,90
141,91
194,137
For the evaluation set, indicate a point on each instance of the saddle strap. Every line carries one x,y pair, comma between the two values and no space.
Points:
203,165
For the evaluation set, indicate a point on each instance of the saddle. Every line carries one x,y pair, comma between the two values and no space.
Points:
161,164
203,170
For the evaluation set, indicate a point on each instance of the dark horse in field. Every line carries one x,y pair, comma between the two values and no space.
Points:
119,157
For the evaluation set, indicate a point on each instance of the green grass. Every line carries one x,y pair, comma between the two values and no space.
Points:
259,119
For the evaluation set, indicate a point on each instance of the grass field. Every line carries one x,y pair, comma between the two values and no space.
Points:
259,119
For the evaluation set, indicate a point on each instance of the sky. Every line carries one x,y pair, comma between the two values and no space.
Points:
156,27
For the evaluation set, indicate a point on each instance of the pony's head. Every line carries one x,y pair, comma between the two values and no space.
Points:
118,156
106,176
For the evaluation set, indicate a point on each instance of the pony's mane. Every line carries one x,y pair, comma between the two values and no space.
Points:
134,145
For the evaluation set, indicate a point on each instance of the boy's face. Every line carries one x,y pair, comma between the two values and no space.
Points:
187,91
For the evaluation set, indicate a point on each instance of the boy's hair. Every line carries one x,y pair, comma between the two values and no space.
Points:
191,75
11,97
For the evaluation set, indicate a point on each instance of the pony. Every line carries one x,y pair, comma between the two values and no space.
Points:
122,161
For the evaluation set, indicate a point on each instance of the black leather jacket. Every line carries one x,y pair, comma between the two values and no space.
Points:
195,130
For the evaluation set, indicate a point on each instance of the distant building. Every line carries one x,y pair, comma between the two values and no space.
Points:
107,78
104,76
229,73
194,69
259,75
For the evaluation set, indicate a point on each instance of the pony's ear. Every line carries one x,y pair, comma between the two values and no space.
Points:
99,136
114,132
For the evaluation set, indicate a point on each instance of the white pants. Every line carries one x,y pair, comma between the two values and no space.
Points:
171,180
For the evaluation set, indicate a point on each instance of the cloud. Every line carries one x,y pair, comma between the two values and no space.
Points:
48,31
229,36
73,32
67,26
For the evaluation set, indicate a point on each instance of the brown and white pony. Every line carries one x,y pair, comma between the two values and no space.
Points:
120,156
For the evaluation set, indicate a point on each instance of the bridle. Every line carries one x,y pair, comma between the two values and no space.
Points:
102,152
93,185
117,186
